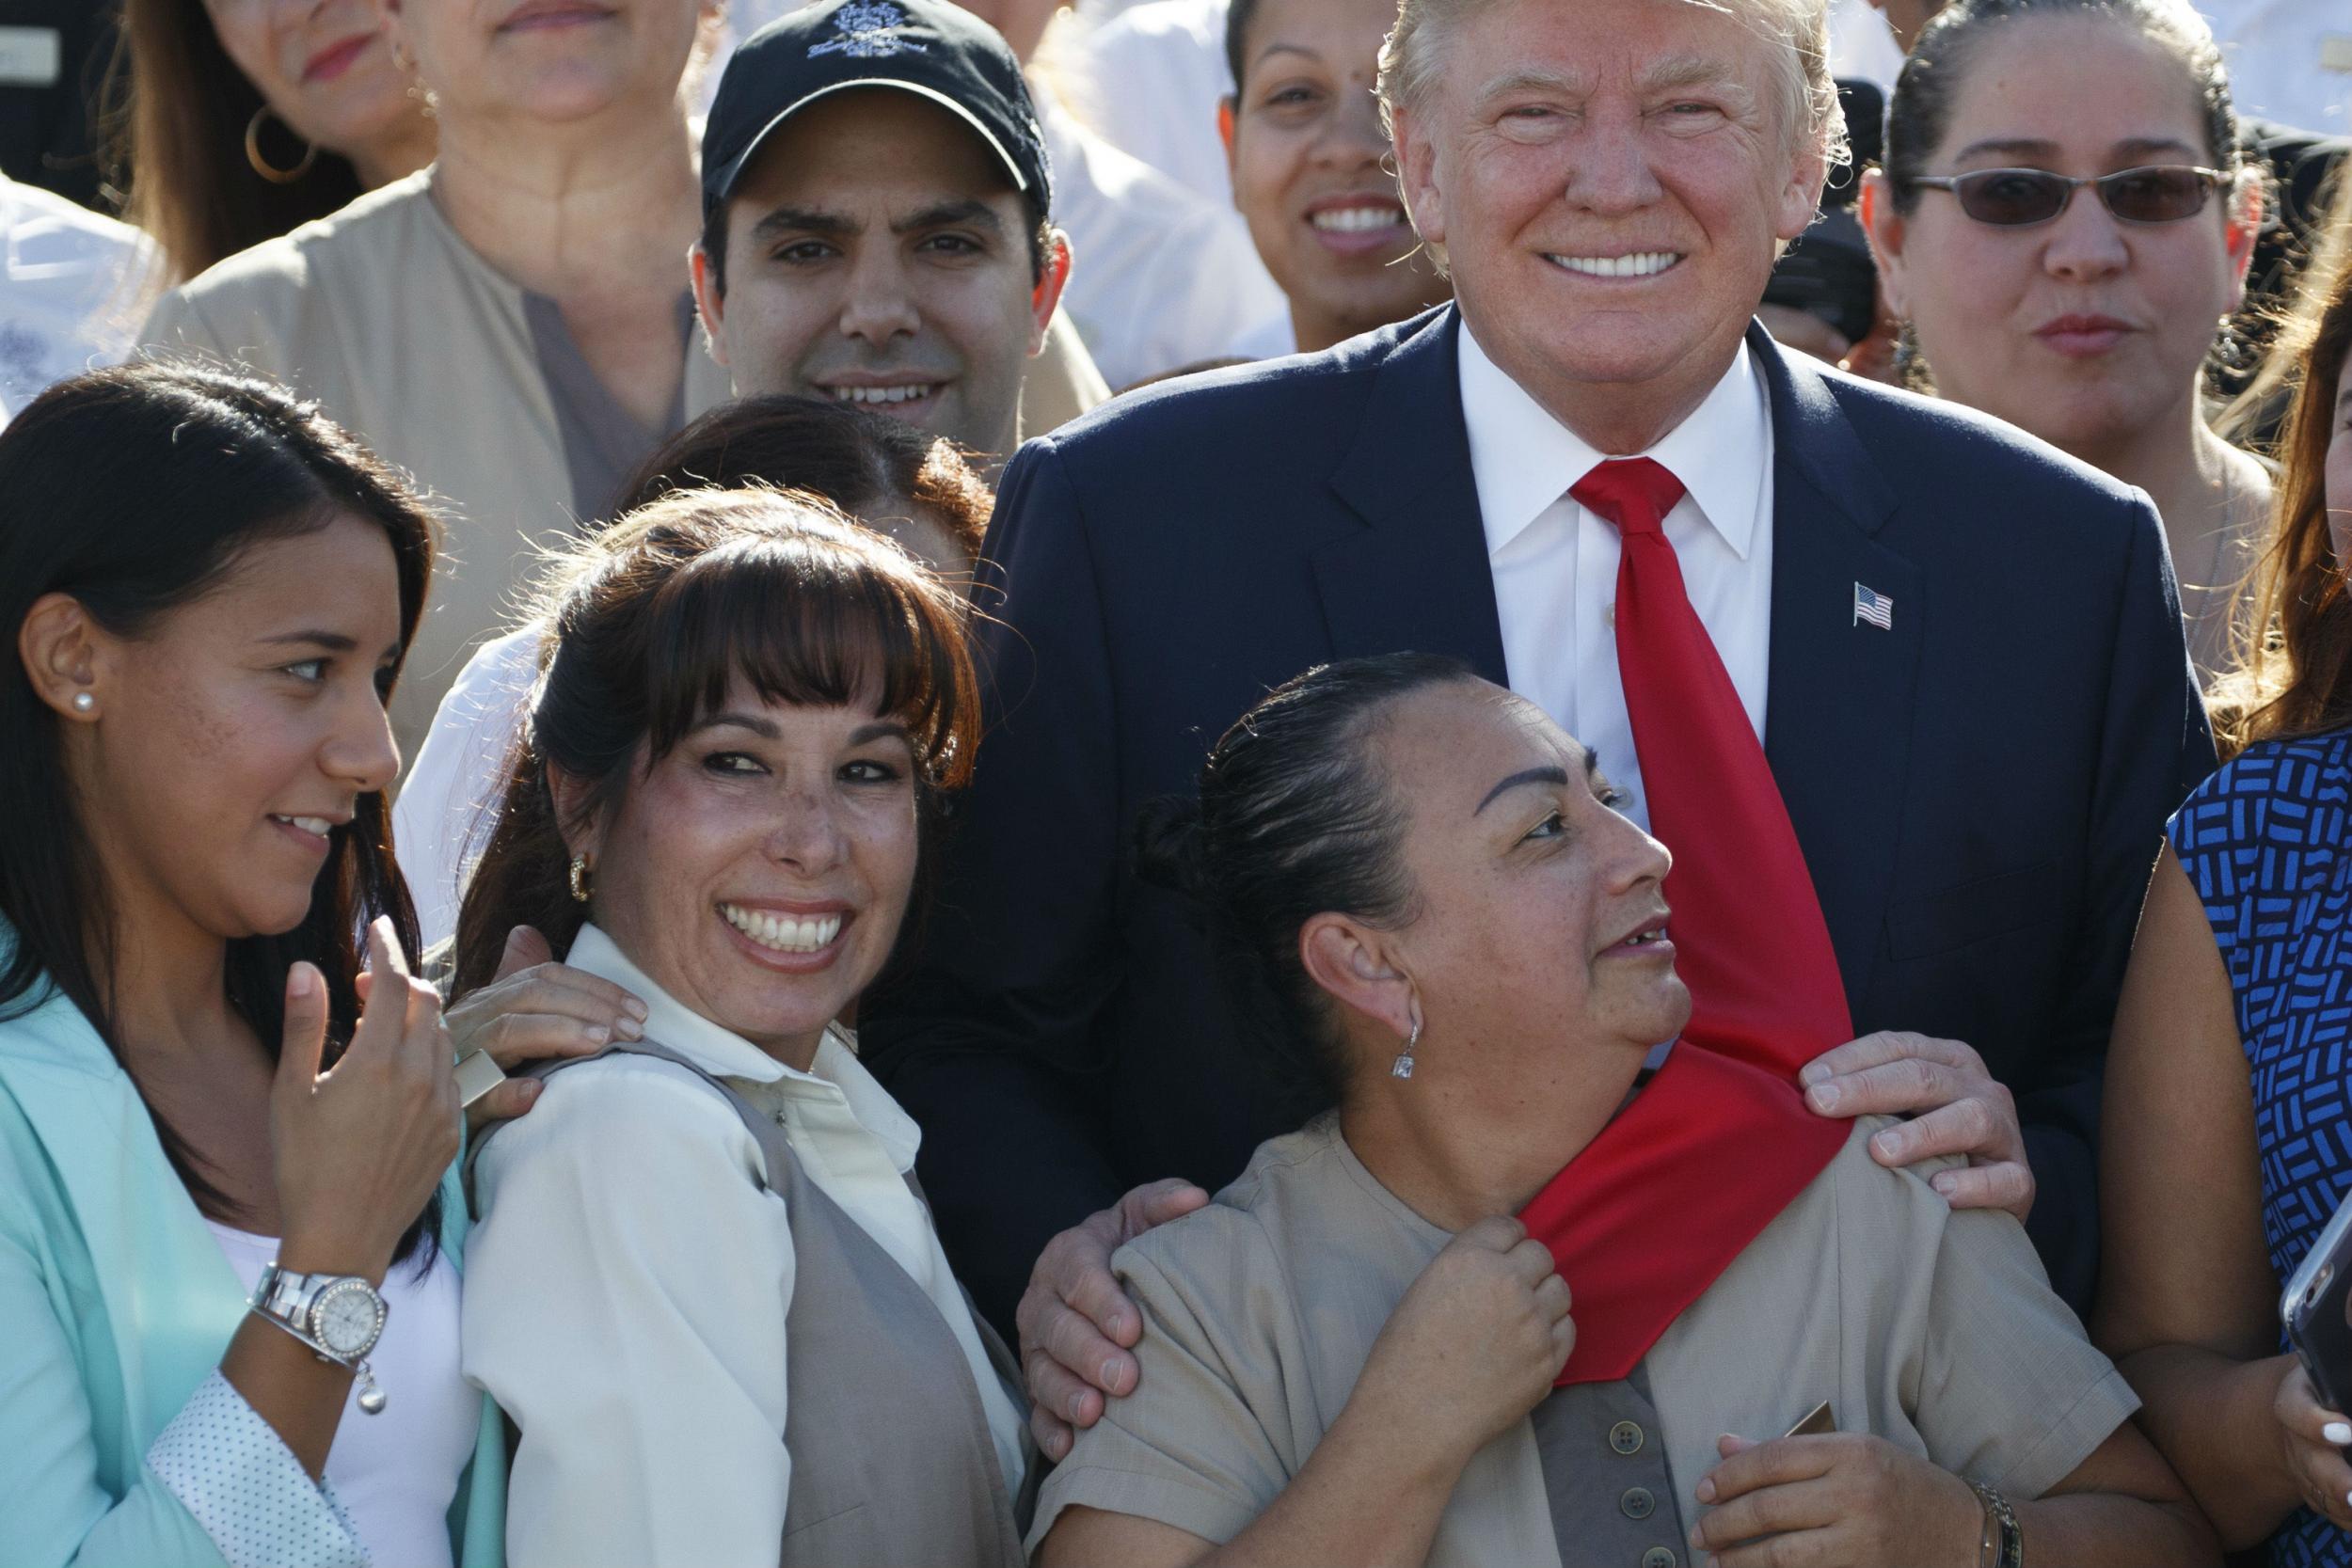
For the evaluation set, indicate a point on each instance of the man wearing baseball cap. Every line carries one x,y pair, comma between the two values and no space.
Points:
876,217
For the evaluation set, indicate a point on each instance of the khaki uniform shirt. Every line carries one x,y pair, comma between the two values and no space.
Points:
450,370
1934,1330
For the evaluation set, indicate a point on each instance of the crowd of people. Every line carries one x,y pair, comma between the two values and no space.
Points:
1224,780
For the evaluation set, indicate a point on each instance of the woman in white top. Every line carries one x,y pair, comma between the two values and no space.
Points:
209,590
748,705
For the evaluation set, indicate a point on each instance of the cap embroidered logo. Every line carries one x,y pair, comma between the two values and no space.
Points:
870,30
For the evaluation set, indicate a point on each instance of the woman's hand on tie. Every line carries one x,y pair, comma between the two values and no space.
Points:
1839,1500
1474,1345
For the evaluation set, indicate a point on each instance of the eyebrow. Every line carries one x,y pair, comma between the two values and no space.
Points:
1557,777
1690,70
2031,147
939,215
334,641
1280,48
767,729
1519,81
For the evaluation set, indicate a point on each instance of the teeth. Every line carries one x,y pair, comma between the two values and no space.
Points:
1351,220
318,825
1642,263
882,394
784,933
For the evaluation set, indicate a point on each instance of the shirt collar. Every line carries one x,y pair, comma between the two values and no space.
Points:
837,1074
1522,459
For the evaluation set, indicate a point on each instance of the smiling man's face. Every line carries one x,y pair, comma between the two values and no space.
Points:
878,254
1610,179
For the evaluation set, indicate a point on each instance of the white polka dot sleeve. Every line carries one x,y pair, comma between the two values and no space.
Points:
235,1475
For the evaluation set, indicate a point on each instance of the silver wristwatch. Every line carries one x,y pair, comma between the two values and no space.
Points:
340,1316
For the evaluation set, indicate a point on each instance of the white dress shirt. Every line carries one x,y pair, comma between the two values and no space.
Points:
1555,563
69,280
447,805
627,1288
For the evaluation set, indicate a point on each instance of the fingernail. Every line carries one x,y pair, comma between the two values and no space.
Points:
1118,1323
1057,1446
631,1029
1706,1489
1078,1403
2338,1433
1824,1096
1887,1145
1947,1184
598,1034
529,1091
1110,1374
302,980
636,1008
1813,1073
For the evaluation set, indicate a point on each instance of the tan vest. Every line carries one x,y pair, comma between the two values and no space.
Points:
892,1461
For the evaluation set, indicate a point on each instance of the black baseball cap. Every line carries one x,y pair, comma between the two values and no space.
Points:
931,48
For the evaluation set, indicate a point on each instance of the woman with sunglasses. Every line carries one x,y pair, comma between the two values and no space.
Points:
2063,224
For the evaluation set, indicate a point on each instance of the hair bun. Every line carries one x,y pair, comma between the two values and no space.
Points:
1167,844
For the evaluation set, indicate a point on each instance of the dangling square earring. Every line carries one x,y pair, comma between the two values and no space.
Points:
1403,1066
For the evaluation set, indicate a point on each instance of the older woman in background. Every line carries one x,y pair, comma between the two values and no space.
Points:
704,1287
513,324
2064,222
2227,1143
1350,1356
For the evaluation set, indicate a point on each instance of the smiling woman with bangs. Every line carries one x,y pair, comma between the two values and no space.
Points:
705,1285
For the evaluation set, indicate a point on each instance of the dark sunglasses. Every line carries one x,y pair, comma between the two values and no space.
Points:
2019,198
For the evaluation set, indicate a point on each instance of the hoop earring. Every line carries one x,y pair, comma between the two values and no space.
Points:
261,165
1403,1066
579,877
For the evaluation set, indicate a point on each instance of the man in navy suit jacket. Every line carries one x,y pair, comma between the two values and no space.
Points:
1979,786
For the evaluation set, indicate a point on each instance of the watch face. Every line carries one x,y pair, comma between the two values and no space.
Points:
347,1318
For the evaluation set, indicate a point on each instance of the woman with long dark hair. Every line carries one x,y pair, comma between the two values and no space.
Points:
232,124
211,588
2226,1142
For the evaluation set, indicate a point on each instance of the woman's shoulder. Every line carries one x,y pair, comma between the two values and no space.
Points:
2232,807
611,1117
267,282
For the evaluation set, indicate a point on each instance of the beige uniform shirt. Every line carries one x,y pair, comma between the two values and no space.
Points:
425,352
1934,1330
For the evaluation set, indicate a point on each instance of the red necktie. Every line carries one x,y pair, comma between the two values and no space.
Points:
1673,1188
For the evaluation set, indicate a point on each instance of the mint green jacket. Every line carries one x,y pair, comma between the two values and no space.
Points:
116,1302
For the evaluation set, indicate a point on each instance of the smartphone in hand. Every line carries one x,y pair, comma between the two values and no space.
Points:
2317,1308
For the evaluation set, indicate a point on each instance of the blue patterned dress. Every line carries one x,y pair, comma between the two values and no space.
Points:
2267,843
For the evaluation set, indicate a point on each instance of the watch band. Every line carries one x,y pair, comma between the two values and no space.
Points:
287,1300
2003,1544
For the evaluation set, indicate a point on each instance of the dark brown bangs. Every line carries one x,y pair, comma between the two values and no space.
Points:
826,615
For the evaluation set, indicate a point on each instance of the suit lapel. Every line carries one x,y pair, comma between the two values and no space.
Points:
1414,575
1839,695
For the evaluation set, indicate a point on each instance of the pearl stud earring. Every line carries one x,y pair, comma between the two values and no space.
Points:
85,703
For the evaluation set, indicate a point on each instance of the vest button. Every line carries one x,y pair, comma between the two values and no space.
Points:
1658,1557
1637,1503
1626,1437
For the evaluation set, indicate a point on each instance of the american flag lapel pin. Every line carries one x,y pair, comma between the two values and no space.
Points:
1874,606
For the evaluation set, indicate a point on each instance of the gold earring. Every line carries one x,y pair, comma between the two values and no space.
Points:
261,165
579,877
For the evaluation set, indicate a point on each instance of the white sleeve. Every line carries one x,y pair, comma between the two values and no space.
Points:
447,803
234,1473
625,1303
